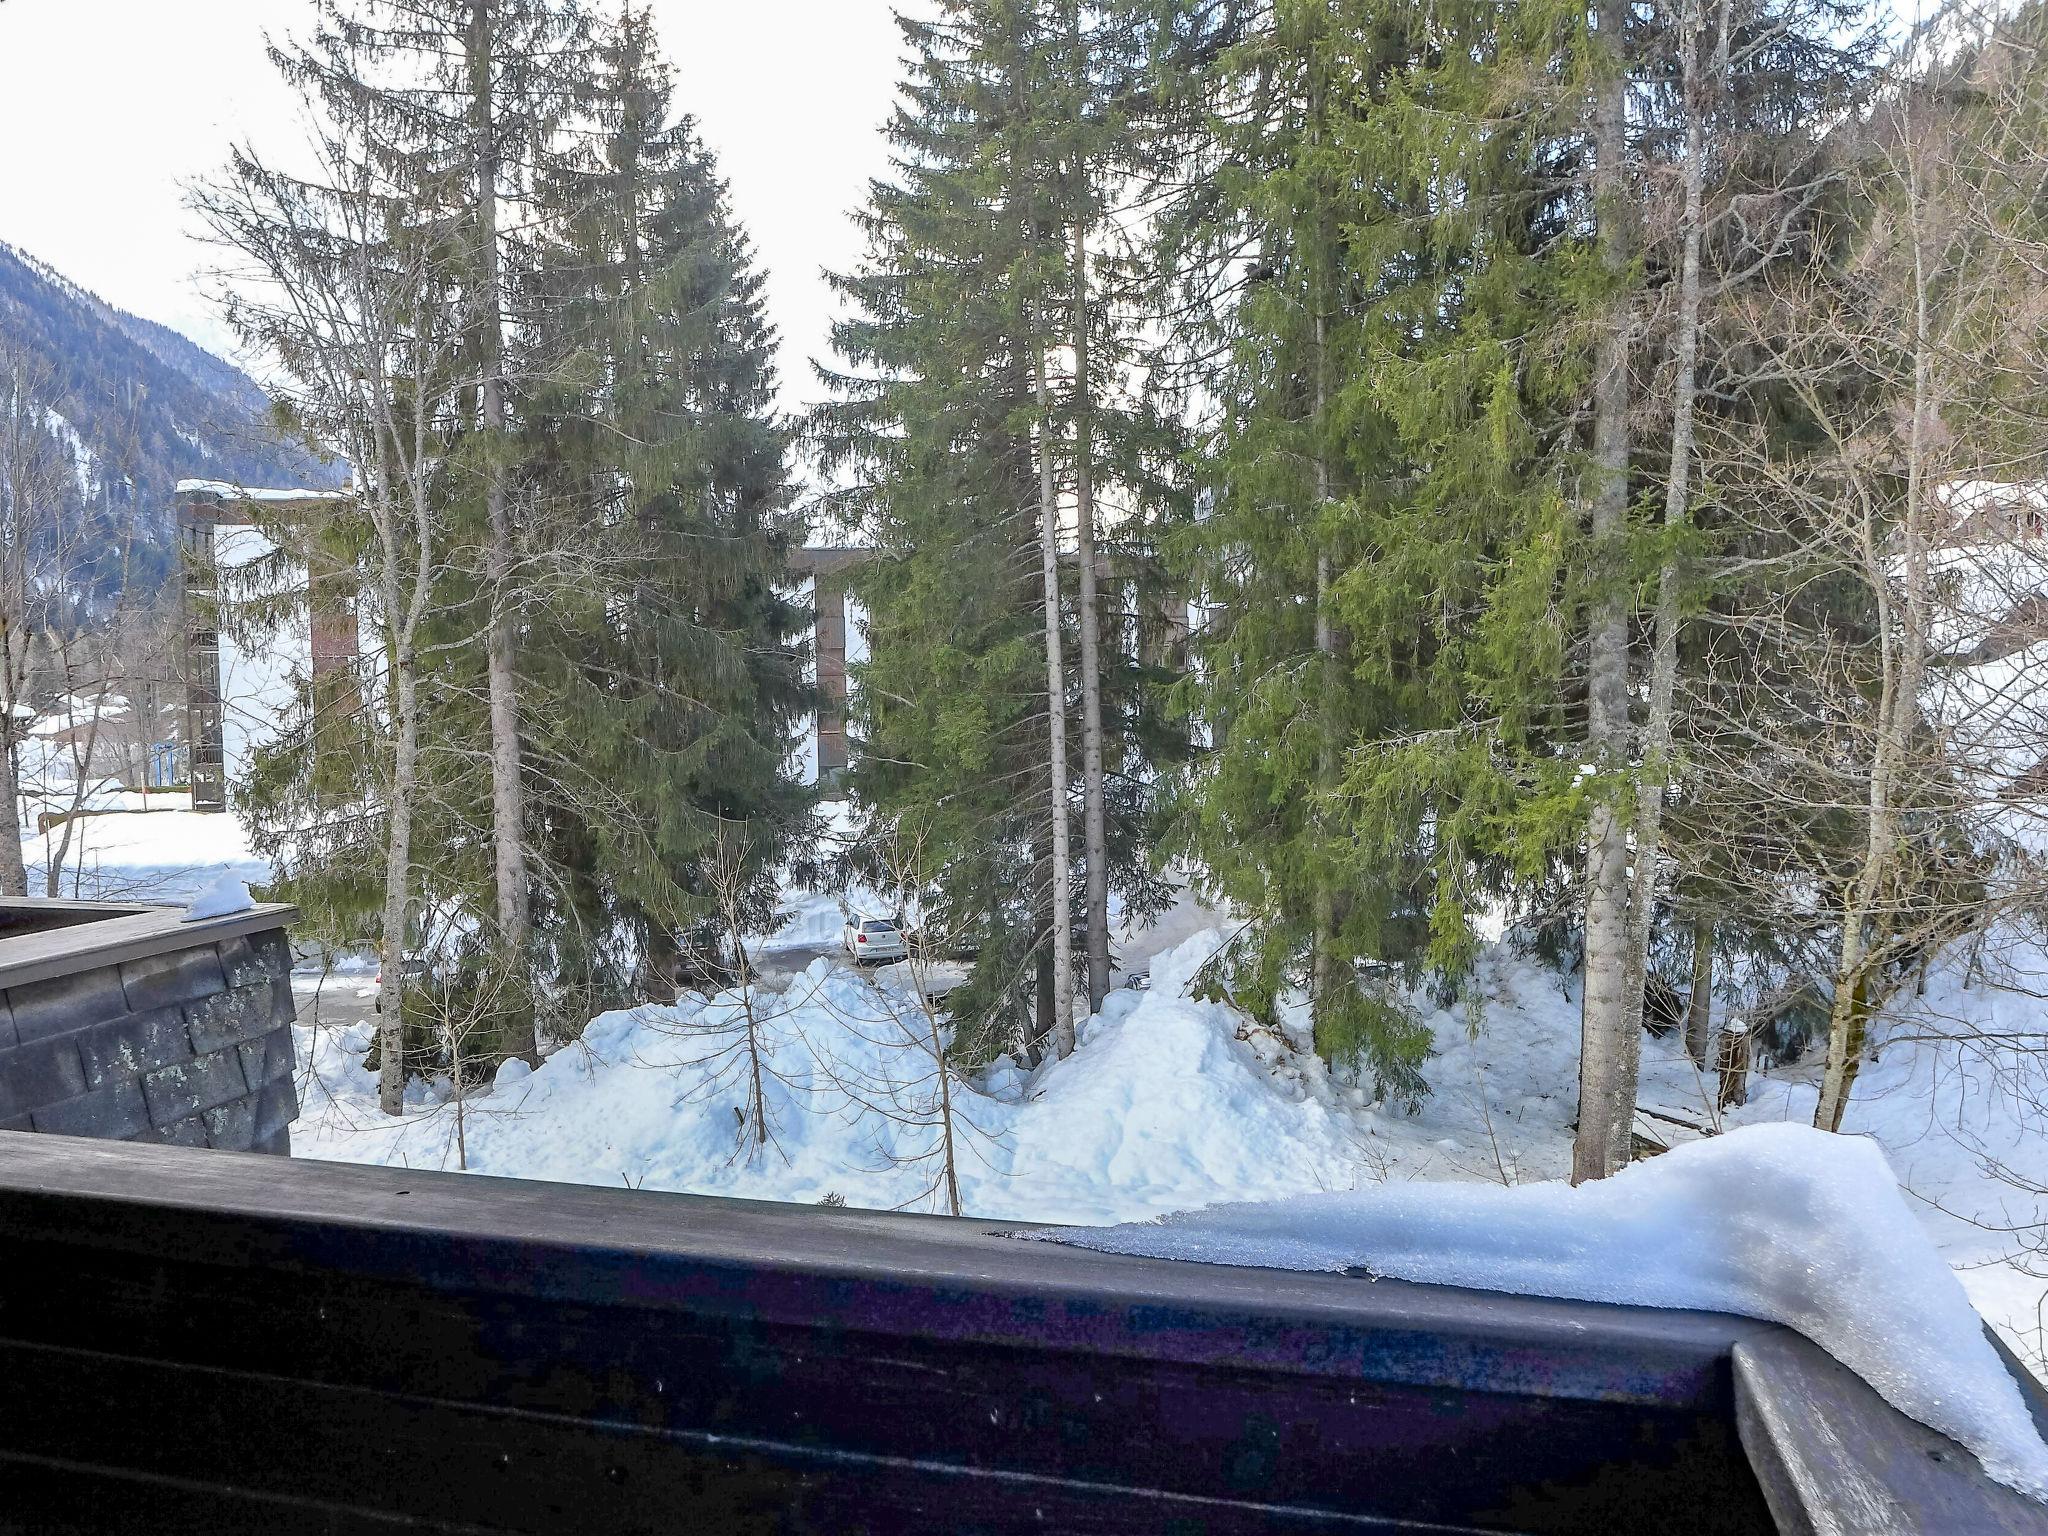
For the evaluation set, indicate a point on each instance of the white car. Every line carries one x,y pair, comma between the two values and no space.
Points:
873,941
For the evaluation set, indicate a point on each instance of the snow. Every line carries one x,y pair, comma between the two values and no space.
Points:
807,920
1954,1090
1163,1106
1784,1223
224,897
1172,1103
234,492
166,852
84,464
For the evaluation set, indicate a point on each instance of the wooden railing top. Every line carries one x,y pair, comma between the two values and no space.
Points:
95,933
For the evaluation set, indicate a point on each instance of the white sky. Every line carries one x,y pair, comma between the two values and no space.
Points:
108,106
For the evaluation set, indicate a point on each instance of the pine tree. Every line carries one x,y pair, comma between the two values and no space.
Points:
941,436
668,679
1278,686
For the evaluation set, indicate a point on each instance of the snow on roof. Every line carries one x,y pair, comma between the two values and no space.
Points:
226,491
1780,1222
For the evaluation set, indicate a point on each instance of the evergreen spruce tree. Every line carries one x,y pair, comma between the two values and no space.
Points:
657,656
1423,556
936,434
1277,686
668,679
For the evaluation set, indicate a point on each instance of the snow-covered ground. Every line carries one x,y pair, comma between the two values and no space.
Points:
141,848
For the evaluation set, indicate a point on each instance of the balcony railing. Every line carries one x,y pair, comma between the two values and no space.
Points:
196,1340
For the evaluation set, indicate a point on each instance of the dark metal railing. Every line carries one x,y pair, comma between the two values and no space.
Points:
194,1340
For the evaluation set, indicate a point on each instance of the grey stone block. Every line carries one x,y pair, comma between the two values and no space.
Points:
163,981
286,1002
251,958
16,1123
275,946
183,1090
277,1106
131,1046
278,1143
8,1038
47,1072
268,1059
228,1018
113,1113
43,1009
186,1133
280,1054
231,1127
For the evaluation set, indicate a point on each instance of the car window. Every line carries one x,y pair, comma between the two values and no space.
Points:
877,927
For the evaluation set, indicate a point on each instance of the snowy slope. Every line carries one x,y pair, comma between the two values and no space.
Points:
153,848
1163,1107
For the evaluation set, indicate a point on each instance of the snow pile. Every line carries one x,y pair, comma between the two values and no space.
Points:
1168,1094
804,920
1172,1103
227,895
1953,1088
1163,1106
1783,1223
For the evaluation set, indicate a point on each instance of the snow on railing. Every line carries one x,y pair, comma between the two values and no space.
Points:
1784,1223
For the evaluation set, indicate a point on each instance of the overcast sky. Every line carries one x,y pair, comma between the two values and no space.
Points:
108,106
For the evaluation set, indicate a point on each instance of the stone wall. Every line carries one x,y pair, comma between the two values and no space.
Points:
193,1046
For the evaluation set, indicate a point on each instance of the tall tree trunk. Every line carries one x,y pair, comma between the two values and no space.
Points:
1610,1043
1656,765
1903,642
508,794
1061,850
1322,957
1699,1003
1093,791
13,870
398,879
1041,987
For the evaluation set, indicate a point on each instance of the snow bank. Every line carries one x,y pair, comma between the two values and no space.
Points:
806,920
1163,1106
1783,1223
1952,1089
1172,1103
1168,1094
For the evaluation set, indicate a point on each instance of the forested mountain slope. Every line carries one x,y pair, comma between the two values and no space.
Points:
133,406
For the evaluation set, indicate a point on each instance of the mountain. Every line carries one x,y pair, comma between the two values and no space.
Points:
136,407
